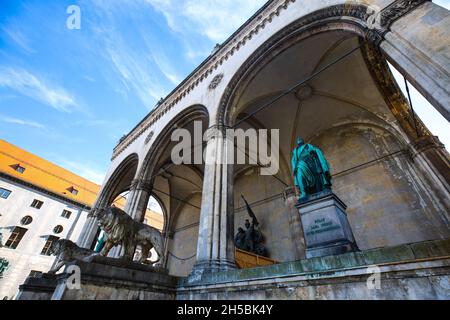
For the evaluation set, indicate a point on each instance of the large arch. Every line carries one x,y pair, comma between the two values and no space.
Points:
344,17
179,189
120,181
350,22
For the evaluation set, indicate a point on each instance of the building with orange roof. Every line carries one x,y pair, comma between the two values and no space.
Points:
40,203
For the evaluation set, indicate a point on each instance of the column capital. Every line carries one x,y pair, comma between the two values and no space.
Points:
424,143
217,130
388,16
142,184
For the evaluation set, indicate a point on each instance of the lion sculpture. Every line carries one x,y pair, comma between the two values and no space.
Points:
121,229
66,251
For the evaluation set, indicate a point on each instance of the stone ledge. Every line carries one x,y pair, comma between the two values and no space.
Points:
119,272
44,283
381,256
402,281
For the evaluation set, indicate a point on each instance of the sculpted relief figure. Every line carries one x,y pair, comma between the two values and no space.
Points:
311,169
250,239
121,229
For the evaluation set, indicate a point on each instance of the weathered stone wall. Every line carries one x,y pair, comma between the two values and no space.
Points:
183,245
388,202
272,213
110,279
414,271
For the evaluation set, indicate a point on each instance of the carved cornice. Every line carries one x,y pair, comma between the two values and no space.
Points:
396,10
425,143
391,92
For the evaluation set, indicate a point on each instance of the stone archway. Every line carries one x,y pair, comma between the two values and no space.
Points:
385,105
120,180
174,186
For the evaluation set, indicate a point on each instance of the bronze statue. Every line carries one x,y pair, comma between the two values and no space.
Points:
311,169
250,239
67,251
121,229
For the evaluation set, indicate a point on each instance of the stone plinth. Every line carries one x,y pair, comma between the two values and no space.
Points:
325,226
38,288
104,279
412,271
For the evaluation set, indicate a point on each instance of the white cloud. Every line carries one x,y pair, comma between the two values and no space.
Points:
135,73
22,122
31,86
137,63
83,170
18,38
215,19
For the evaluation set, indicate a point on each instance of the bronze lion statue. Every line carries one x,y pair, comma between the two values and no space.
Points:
66,251
121,229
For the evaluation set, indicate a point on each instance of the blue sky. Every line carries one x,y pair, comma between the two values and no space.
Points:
69,95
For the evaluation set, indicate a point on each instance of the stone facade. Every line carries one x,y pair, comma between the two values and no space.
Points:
27,256
387,167
414,271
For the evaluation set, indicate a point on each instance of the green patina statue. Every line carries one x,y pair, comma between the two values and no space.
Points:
311,169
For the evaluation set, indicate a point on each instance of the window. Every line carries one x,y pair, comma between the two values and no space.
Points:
73,191
58,229
35,274
15,237
26,220
37,204
48,244
4,193
18,168
66,214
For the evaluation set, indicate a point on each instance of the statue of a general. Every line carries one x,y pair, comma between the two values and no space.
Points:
311,169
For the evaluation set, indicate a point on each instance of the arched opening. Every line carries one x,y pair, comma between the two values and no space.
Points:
114,192
178,189
353,117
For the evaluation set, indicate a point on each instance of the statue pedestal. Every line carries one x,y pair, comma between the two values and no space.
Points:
102,279
325,225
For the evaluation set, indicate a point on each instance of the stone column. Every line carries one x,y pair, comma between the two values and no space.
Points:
87,235
415,40
433,160
137,201
215,248
135,206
